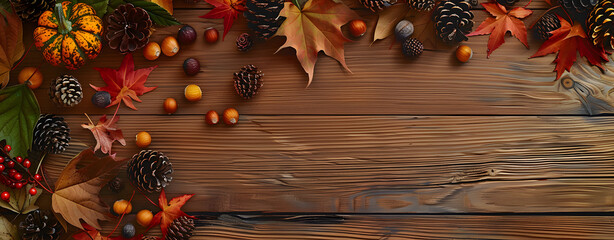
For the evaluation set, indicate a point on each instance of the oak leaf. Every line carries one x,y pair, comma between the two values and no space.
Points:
11,44
169,211
315,28
125,84
106,133
568,40
228,10
76,195
503,21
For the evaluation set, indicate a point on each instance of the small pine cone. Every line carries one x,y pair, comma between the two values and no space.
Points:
180,229
128,28
376,5
545,25
149,238
412,47
51,134
150,170
66,91
422,5
244,42
40,225
507,3
30,10
248,81
578,9
115,185
600,25
263,16
453,20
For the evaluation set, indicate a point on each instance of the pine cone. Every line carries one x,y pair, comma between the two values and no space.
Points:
150,170
180,229
244,42
453,20
128,28
115,185
422,5
248,81
507,3
376,5
51,134
149,238
546,24
66,91
600,25
262,17
40,225
412,47
578,9
30,10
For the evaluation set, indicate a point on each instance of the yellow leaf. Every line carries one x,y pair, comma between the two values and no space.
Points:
166,4
388,19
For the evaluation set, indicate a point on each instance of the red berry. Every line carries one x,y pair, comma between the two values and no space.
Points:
19,159
38,177
7,148
18,185
17,176
12,171
33,191
10,164
1,168
5,195
1,159
27,163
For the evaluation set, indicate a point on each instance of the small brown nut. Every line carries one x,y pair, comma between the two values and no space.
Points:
212,118
170,105
231,116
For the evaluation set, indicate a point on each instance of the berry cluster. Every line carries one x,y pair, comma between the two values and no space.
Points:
10,174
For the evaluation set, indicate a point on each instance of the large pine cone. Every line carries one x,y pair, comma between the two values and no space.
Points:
51,134
578,9
40,225
180,229
262,17
546,24
150,170
376,5
248,81
30,10
453,20
600,25
66,91
128,28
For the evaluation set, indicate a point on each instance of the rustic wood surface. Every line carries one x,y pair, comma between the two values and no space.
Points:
466,147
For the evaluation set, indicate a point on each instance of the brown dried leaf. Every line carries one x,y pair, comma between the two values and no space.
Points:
424,30
388,19
11,44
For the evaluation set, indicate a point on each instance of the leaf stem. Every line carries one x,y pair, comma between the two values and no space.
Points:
88,118
525,6
114,114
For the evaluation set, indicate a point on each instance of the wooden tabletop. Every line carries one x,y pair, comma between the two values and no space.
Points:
397,149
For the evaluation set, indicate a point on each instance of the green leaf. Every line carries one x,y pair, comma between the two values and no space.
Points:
113,4
21,201
8,230
100,6
157,14
19,112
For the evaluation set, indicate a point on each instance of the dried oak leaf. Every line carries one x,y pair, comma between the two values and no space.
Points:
11,44
125,83
169,211
315,28
76,195
567,40
106,133
228,10
388,19
503,21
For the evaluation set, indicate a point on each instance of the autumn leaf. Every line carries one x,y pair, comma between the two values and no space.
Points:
315,28
11,44
8,231
569,40
105,133
425,31
169,211
501,23
388,19
125,84
76,195
228,10
166,4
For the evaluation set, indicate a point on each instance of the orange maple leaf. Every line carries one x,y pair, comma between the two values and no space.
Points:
315,28
105,133
501,23
169,211
228,10
569,40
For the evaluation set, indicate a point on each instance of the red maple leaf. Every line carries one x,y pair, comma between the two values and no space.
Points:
501,23
125,83
567,40
105,133
228,10
169,211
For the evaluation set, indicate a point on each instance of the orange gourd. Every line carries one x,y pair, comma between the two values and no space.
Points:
69,34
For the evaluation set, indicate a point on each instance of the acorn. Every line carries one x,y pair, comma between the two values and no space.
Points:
144,217
403,30
170,47
191,66
121,206
464,53
193,93
211,35
143,139
231,116
170,105
186,35
358,27
101,99
212,118
152,51
31,74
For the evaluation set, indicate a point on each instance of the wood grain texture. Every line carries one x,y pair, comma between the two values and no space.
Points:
387,164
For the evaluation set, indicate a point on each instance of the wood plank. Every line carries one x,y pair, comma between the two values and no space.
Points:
379,164
383,81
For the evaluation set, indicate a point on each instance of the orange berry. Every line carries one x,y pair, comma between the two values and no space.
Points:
170,47
143,139
463,53
152,51
358,27
211,35
31,74
144,217
212,118
231,116
170,105
121,206
193,93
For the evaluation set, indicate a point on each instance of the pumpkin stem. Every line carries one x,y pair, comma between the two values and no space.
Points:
64,26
